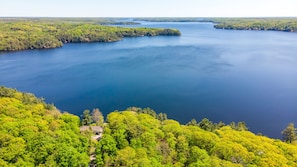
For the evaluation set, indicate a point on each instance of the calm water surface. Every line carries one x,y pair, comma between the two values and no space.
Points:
223,75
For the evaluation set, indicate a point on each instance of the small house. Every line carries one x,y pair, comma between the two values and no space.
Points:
96,130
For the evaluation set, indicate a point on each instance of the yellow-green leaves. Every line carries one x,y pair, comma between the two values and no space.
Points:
168,143
33,135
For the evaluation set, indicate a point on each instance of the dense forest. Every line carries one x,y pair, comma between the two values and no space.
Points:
21,34
272,24
34,133
41,33
135,139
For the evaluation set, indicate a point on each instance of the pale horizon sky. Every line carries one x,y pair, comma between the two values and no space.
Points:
151,8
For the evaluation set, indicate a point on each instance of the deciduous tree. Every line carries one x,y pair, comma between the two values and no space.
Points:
97,117
289,133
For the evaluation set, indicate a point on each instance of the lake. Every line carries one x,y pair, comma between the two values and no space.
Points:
224,75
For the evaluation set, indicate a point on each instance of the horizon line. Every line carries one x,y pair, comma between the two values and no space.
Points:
148,16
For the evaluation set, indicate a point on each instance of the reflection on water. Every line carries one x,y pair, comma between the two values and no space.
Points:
226,76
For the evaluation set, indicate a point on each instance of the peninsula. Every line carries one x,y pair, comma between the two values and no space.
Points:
31,33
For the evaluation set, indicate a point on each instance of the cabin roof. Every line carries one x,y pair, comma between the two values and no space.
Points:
94,129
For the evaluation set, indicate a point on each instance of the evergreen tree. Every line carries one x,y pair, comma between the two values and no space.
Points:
86,118
206,124
162,116
193,122
232,125
241,126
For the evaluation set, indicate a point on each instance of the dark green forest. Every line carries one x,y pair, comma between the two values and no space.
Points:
29,33
34,133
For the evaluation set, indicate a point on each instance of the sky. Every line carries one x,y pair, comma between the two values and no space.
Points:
148,8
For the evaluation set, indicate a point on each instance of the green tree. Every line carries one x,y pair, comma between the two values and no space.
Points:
289,133
193,122
105,150
241,126
182,149
125,157
219,125
86,118
11,148
66,155
206,124
198,157
232,125
162,116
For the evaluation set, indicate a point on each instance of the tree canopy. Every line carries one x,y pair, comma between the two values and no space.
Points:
289,133
34,133
136,138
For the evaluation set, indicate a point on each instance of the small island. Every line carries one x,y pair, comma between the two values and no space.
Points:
37,33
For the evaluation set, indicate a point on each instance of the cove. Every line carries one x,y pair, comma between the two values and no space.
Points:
223,75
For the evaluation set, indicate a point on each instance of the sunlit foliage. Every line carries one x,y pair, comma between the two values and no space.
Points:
39,34
134,138
33,133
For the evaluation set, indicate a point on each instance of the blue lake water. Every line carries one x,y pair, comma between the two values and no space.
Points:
223,75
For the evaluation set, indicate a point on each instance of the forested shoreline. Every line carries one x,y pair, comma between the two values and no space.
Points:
264,24
34,133
44,33
22,34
